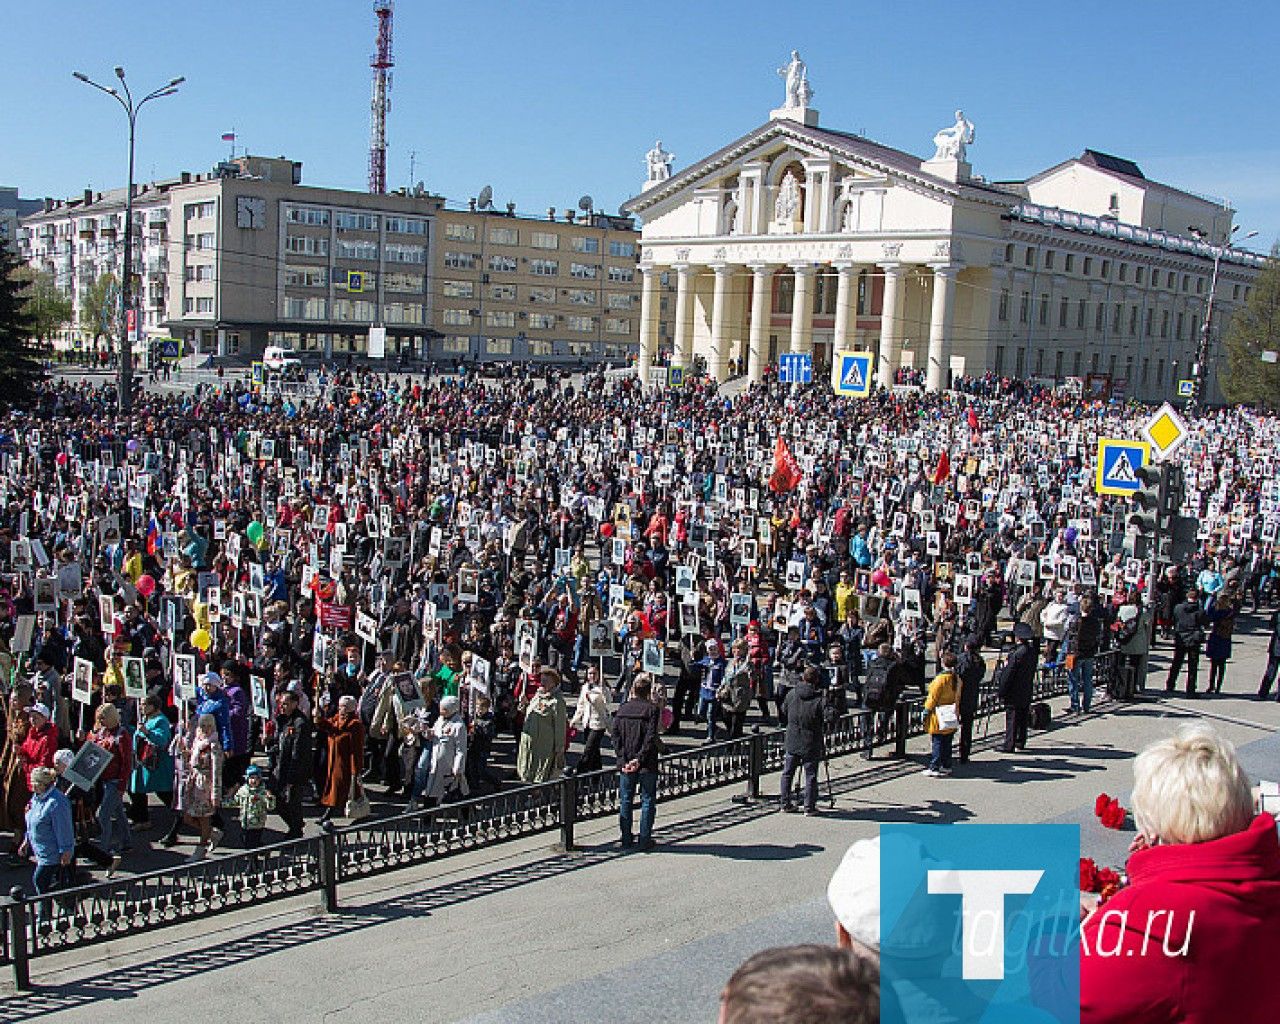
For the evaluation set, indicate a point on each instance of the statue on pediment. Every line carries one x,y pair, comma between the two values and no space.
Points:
796,76
659,162
951,141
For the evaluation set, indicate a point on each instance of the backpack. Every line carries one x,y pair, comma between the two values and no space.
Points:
877,683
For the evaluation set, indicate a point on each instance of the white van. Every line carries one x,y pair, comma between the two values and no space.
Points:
279,359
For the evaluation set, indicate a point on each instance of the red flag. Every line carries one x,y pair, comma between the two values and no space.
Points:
786,471
943,469
973,419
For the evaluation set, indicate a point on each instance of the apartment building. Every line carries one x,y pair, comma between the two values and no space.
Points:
555,288
247,256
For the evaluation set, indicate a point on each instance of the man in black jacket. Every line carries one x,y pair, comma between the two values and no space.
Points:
971,668
1016,682
1188,637
1273,659
1084,640
291,760
635,742
802,715
887,678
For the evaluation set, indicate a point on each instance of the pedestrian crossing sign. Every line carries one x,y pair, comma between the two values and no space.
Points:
1118,465
1186,388
853,374
675,376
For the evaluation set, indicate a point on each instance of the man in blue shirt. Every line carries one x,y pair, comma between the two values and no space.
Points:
51,835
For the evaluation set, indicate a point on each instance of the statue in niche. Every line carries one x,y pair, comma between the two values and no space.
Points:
951,142
787,205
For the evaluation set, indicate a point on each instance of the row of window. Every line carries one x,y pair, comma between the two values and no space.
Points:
352,249
348,220
1117,320
536,294
538,267
354,310
539,240
1115,371
195,211
1172,280
456,317
460,344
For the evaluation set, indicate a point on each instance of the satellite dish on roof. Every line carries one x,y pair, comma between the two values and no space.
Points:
586,204
485,199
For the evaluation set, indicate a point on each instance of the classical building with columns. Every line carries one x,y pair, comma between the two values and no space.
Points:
801,238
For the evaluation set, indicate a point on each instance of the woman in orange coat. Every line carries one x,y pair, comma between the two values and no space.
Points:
345,734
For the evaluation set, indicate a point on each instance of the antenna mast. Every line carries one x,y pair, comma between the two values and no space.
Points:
381,63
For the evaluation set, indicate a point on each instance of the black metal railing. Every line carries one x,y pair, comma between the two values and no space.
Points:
89,914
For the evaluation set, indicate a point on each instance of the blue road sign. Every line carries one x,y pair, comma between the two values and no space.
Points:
1186,388
1118,465
171,348
675,376
853,374
795,368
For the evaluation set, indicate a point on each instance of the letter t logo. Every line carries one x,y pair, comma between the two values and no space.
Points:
982,896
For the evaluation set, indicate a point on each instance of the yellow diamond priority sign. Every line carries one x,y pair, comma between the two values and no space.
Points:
1166,431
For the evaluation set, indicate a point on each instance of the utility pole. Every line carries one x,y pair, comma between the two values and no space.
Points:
1199,372
131,109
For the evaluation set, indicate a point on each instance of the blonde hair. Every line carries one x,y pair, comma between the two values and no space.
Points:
108,717
1190,788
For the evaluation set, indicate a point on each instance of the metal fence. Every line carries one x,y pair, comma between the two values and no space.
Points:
102,911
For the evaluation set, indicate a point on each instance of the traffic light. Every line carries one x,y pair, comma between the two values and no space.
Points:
1173,493
1146,502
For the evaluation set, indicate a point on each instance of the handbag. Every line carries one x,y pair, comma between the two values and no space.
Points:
948,716
357,802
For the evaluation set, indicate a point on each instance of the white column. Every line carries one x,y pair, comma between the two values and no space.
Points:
719,363
802,308
761,311
649,277
846,300
890,324
944,292
683,355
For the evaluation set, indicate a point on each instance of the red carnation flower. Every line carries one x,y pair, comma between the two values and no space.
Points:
1100,804
1114,815
1107,878
1088,875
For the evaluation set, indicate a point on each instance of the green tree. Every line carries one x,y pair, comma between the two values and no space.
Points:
48,305
1253,330
19,364
100,308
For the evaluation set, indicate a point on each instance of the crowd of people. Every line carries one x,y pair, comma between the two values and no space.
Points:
237,605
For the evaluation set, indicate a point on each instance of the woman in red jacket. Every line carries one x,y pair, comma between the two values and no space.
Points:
1194,934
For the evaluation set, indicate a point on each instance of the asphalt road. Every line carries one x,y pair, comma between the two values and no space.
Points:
523,934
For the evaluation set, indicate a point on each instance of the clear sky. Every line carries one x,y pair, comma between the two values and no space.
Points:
546,100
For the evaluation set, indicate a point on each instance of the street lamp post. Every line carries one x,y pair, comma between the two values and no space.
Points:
125,380
1200,375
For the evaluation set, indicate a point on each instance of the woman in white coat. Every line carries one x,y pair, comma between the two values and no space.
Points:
448,755
592,717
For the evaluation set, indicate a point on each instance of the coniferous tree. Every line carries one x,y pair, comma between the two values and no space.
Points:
19,362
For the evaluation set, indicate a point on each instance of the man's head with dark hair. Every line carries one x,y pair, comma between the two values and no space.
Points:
642,687
808,984
814,677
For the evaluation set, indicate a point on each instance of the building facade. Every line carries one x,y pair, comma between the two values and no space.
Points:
247,256
12,210
799,238
537,289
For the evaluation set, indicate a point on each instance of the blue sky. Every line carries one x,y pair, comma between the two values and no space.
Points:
548,99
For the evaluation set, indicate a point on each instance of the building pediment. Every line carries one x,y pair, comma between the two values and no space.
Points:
867,162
